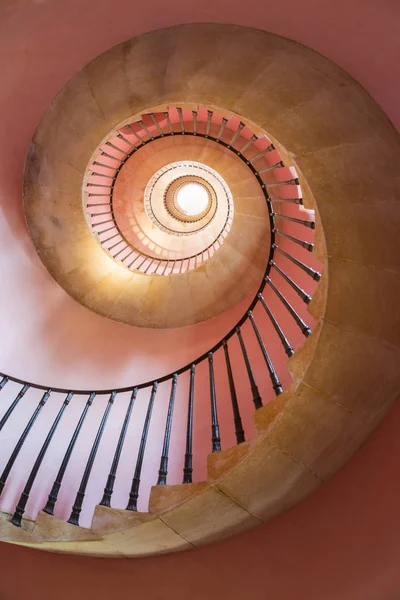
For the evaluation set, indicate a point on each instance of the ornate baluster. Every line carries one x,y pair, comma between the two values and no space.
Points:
77,507
10,409
194,113
236,134
248,144
221,131
188,467
20,509
301,243
272,373
108,490
215,437
278,165
293,181
134,493
166,115
253,385
143,126
157,124
101,175
303,326
104,166
239,431
314,274
303,295
181,120
261,154
137,136
116,148
163,471
209,117
52,499
310,224
285,342
287,200
124,139
21,441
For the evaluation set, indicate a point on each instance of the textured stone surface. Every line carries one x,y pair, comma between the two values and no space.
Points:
209,516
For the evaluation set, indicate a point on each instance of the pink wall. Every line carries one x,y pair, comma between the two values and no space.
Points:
318,542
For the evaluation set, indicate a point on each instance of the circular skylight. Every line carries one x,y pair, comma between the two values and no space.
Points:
192,199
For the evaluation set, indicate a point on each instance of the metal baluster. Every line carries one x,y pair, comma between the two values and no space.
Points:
125,140
99,185
104,166
287,200
101,175
285,342
303,295
221,131
314,274
137,136
181,120
310,224
303,326
110,238
165,268
293,181
163,471
261,154
248,144
209,117
272,373
239,431
194,112
253,385
20,509
145,129
236,134
306,245
77,507
52,499
166,114
157,124
8,412
111,157
134,493
21,441
108,490
116,148
215,436
149,265
278,165
188,467
3,382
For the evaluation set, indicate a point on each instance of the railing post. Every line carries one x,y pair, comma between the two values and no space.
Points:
108,490
215,436
10,409
299,291
52,499
314,274
20,509
77,507
239,431
253,385
188,466
134,493
285,342
3,382
163,471
276,385
305,330
21,441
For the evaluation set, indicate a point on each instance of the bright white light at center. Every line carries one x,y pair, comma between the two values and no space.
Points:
192,199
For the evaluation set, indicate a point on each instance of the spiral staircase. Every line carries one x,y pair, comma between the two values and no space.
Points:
257,310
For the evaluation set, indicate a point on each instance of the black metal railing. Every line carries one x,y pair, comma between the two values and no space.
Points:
235,335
